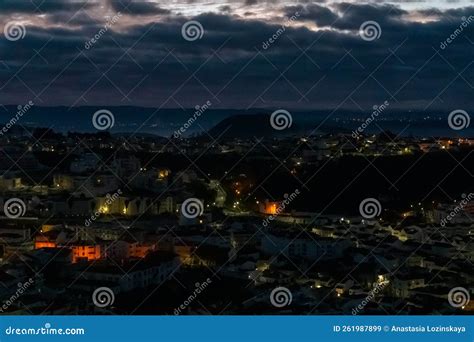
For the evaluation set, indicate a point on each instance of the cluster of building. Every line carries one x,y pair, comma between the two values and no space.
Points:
329,267
113,221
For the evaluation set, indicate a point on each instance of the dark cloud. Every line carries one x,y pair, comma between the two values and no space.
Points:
225,9
251,2
151,64
322,16
43,6
352,16
137,8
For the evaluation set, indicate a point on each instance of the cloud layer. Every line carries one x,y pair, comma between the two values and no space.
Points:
251,54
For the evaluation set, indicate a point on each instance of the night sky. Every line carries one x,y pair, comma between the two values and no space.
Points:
320,60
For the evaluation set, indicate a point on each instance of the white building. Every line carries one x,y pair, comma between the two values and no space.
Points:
153,270
303,246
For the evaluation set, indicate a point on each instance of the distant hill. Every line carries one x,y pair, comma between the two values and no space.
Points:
231,122
127,118
248,126
259,125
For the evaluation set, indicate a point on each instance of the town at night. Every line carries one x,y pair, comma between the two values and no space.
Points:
238,158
